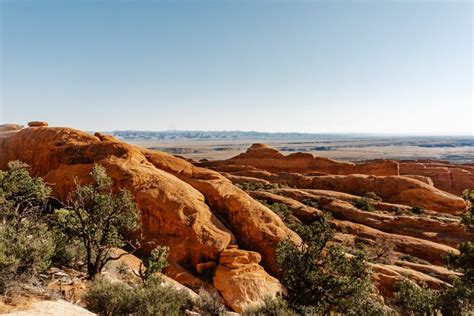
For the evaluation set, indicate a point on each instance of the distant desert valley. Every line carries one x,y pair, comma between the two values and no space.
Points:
346,147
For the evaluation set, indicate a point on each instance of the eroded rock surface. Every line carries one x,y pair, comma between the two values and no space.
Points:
211,224
263,157
241,281
410,212
452,178
380,177
197,212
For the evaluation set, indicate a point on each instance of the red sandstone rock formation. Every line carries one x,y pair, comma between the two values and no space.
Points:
446,231
204,218
266,158
241,281
452,178
178,201
262,162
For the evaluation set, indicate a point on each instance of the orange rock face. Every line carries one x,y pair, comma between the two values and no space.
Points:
241,281
298,170
187,208
447,232
254,225
312,186
173,212
452,178
394,189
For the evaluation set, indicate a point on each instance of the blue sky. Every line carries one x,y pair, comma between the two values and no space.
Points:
304,66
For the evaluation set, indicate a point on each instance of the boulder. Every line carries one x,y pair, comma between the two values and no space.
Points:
37,124
241,281
51,308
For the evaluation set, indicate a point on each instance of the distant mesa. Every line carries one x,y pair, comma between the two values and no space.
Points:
270,159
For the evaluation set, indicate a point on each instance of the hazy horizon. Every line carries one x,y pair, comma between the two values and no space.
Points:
388,67
290,132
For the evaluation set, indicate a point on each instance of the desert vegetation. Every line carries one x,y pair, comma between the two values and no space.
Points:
468,217
457,299
35,236
26,241
320,278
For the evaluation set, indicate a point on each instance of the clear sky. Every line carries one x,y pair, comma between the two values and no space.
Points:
303,66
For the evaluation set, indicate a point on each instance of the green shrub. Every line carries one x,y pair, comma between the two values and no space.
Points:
464,261
468,217
156,263
157,299
250,186
110,298
320,278
105,297
26,244
468,195
210,303
455,300
22,196
373,196
460,298
255,186
416,300
310,203
271,306
283,212
30,243
98,218
417,210
67,251
364,204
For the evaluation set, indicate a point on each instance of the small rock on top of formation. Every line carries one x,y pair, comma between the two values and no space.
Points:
37,124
